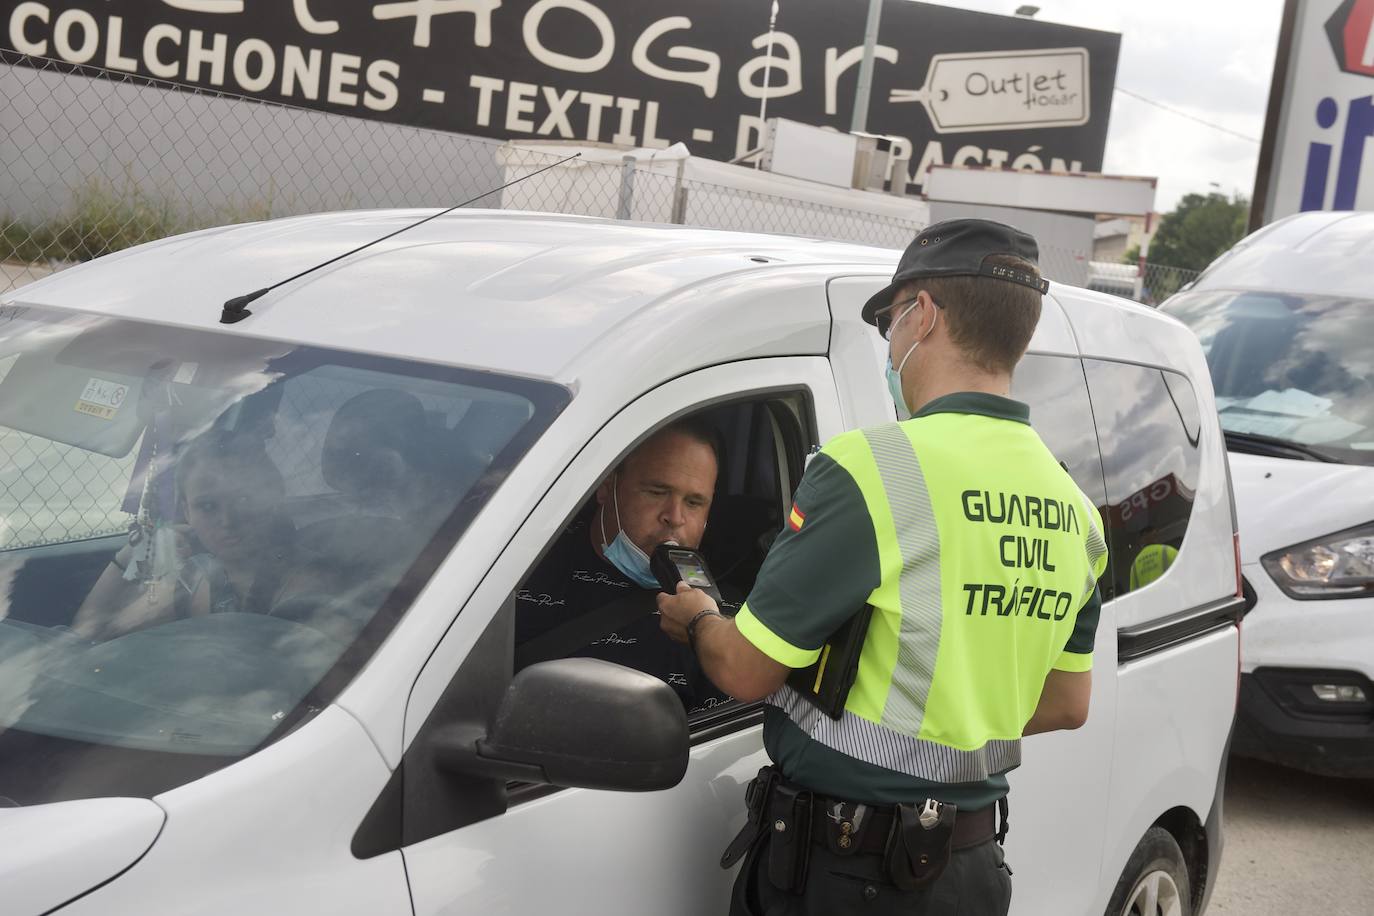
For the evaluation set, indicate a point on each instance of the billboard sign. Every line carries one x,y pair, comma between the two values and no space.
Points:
951,86
1318,147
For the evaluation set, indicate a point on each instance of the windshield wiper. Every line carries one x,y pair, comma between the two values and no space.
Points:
1274,447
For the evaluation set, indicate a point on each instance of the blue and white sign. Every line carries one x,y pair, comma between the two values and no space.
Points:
1319,142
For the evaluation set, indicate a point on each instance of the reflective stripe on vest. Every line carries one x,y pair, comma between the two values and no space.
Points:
918,539
880,746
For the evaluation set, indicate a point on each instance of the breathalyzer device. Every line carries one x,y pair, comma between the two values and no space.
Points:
672,564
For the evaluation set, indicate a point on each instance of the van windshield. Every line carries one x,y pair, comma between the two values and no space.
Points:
1289,369
204,536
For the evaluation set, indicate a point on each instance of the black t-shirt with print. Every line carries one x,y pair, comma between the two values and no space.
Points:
573,580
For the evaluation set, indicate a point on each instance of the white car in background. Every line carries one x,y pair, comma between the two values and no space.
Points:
1287,320
362,747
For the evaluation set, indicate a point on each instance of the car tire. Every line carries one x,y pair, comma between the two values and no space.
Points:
1155,880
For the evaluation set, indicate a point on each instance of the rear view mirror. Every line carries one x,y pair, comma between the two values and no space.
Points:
577,722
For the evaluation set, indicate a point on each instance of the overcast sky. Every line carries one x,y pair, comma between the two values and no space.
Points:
1210,58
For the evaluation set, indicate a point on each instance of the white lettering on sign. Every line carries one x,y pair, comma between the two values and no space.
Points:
749,135
1006,90
343,76
151,59
18,19
197,55
707,78
229,7
114,60
382,92
486,86
254,65
596,103
101,398
559,103
520,102
303,70
651,140
764,66
570,113
88,31
602,22
424,12
836,64
625,136
310,23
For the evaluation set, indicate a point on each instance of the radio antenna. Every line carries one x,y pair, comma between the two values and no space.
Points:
236,309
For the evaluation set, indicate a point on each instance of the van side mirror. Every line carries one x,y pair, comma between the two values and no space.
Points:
576,722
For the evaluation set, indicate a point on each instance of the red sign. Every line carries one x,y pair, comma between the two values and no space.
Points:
1351,30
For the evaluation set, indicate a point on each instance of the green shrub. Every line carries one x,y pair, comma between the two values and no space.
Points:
103,219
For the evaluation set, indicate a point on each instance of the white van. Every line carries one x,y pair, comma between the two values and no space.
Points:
361,747
1287,321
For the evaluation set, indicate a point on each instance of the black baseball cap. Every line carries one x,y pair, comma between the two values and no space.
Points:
961,248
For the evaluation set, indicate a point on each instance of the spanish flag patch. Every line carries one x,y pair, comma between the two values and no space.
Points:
796,518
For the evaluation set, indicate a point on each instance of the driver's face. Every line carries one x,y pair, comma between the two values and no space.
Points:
664,491
231,517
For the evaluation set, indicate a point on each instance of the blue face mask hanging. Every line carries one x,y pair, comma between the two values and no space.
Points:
622,553
894,386
894,374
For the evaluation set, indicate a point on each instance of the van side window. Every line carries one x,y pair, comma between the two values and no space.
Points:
584,598
1148,426
1057,392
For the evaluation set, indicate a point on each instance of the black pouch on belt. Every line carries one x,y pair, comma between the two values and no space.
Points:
920,844
755,798
789,840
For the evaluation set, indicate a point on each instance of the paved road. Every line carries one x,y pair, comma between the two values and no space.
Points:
1295,844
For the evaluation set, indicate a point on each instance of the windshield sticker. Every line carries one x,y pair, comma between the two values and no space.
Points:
185,373
101,398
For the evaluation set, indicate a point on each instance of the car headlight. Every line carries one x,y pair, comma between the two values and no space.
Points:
1339,565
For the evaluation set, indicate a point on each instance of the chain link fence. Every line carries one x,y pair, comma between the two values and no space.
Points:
1147,283
93,161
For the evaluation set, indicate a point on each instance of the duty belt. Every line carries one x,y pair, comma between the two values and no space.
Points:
833,825
915,840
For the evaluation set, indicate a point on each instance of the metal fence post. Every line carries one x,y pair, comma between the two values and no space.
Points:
679,196
627,188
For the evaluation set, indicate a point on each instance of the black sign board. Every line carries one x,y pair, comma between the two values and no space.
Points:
958,87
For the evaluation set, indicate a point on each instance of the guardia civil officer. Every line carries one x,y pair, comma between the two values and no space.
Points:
947,564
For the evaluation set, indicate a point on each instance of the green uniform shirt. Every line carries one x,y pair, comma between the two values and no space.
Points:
980,557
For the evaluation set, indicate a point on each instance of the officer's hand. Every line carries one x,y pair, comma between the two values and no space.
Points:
677,610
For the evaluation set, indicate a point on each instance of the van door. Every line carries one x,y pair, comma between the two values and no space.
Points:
1171,590
1059,795
544,849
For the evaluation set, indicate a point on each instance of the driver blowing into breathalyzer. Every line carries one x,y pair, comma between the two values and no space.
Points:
901,657
661,493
